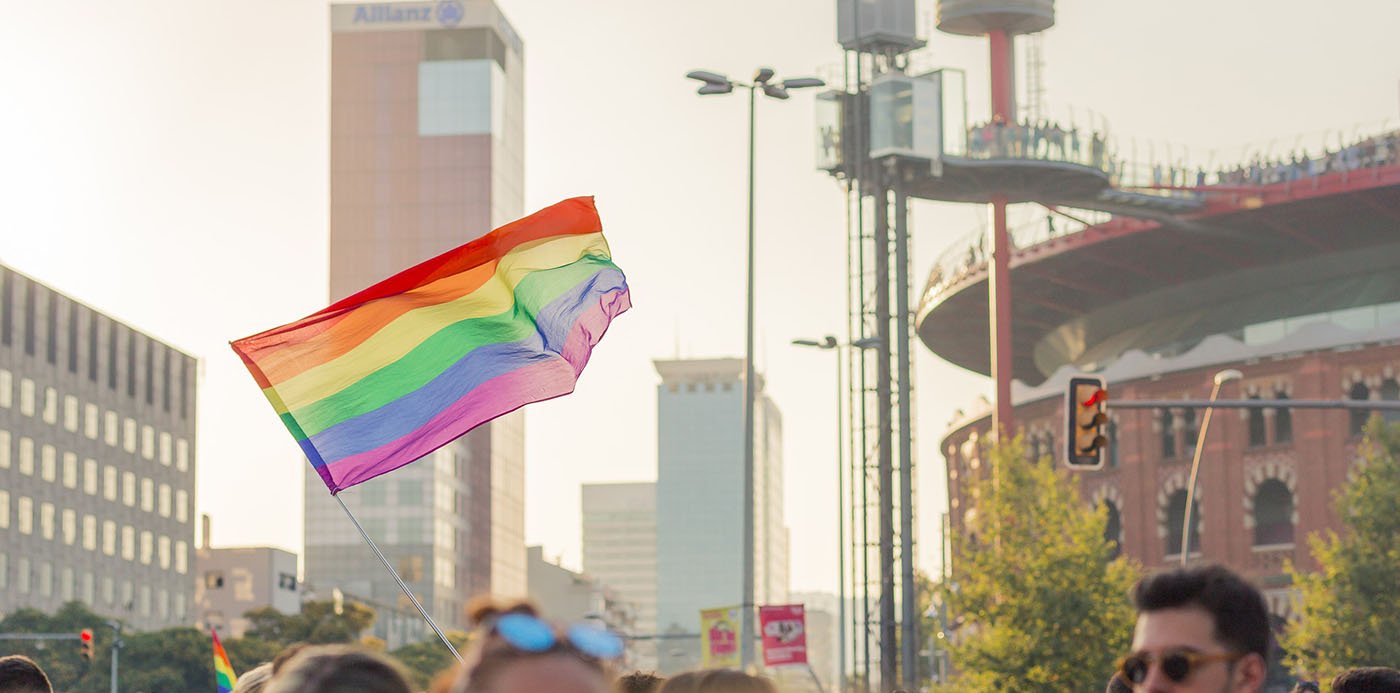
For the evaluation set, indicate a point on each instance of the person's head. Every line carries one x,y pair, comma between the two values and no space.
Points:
19,674
515,651
339,669
286,655
1367,680
1116,684
718,681
254,680
639,682
1306,687
1198,629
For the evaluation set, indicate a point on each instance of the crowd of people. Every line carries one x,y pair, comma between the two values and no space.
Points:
998,139
1198,629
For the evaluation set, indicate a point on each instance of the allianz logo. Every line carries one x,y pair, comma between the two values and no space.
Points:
445,12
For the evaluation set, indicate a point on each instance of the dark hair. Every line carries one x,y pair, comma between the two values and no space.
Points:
19,674
1367,680
1236,607
490,653
339,669
718,681
639,682
1306,687
1118,685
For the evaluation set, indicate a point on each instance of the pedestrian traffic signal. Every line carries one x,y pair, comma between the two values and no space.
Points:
85,644
1085,406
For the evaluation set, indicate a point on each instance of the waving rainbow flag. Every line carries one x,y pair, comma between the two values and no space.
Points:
224,678
404,367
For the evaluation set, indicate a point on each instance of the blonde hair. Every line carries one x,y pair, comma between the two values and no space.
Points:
254,680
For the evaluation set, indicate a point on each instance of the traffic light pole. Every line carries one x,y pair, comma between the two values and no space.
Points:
116,649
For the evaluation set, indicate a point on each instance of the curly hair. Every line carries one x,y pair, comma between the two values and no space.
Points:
490,653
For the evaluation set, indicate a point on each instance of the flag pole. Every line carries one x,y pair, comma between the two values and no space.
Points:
398,579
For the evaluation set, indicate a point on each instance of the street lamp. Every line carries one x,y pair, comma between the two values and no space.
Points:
1220,379
715,83
829,343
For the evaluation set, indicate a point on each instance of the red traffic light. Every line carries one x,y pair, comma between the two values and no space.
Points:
86,635
1098,396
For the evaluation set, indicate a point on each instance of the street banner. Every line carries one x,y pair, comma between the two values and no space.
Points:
719,637
784,631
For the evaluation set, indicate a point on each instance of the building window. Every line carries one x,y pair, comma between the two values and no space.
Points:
1273,514
1390,392
30,308
65,584
131,364
145,600
163,552
69,525
48,463
70,470
149,374
89,532
4,509
1257,431
4,571
410,493
90,477
26,396
26,456
112,355
180,557
163,504
72,338
86,588
7,294
129,435
7,389
45,579
51,347
148,547
24,578
108,594
50,405
1283,420
214,580
109,483
91,421
1112,430
129,489
70,413
46,512
1190,431
1176,514
1359,391
4,449
165,448
128,542
148,442
179,607
287,581
182,500
165,382
109,538
92,346
184,387
111,428
1113,529
128,596
148,495
182,454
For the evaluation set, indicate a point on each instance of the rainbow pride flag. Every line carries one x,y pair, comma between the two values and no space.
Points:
224,678
404,367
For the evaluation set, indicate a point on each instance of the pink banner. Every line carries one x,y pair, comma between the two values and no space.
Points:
784,631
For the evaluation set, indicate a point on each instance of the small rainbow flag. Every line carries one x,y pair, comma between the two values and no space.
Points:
224,678
404,367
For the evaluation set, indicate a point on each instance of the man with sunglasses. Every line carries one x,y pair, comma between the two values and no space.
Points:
1200,629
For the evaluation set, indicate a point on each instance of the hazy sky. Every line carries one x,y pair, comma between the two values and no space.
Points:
166,161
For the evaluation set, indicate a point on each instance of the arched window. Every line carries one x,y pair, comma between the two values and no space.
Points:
1359,416
1112,431
1283,421
1190,431
1390,392
1168,434
1258,435
1273,514
1113,529
1176,514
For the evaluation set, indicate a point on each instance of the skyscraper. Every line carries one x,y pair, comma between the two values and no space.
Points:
699,499
426,154
97,429
619,548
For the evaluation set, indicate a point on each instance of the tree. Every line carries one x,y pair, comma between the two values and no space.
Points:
167,661
1041,604
425,660
60,659
318,623
1350,609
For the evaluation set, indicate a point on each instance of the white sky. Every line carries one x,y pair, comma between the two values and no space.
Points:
166,161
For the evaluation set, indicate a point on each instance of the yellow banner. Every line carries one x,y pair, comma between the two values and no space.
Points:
720,630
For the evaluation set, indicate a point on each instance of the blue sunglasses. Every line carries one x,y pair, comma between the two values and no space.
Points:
531,634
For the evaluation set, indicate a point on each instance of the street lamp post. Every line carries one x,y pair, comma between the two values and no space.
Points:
715,83
829,343
1220,379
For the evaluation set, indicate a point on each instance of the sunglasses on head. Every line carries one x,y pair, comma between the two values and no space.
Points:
1177,665
532,634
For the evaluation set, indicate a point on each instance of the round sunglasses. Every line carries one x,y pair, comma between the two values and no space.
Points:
532,634
1177,665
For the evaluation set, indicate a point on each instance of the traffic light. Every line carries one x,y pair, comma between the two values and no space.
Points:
1085,405
85,644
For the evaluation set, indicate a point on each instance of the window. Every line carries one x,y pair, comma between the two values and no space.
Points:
1283,421
4,449
46,513
182,500
90,477
72,338
373,494
1164,418
1273,514
7,389
163,552
1176,514
23,582
85,588
287,581
91,421
1257,432
26,397
180,557
110,428
109,483
129,435
129,489
89,532
128,542
1390,392
148,547
149,373
24,515
65,584
26,456
30,308
112,355
182,454
214,580
45,579
1113,529
145,600
184,387
128,595
70,470
410,493
165,383
51,344
48,459
50,405
179,607
4,571
165,445
70,413
148,495
131,364
148,442
1358,416
108,594
164,500
162,604
109,538
4,509
7,293
1112,432
69,525
92,345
